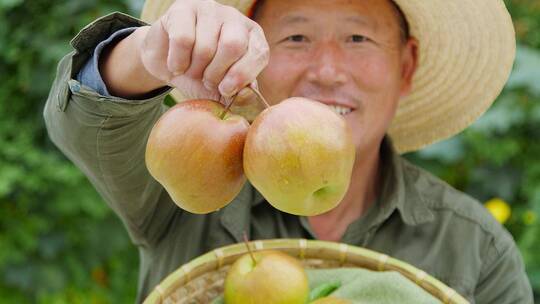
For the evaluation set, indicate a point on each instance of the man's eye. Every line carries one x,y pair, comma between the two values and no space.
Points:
297,38
357,38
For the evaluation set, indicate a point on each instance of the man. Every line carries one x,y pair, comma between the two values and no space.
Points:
404,74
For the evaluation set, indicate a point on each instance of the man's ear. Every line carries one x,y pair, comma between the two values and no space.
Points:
409,64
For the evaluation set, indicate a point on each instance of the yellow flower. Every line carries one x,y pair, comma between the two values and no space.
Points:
499,209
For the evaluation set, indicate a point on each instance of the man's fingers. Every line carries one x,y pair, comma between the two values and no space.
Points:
246,69
233,45
201,47
180,26
206,42
154,49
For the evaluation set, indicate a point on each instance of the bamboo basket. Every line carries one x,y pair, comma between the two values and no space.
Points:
201,280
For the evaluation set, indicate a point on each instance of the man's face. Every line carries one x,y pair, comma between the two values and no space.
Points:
348,53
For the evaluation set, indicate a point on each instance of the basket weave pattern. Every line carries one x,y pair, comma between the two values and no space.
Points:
201,280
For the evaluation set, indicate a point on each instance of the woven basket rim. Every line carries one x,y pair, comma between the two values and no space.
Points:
306,249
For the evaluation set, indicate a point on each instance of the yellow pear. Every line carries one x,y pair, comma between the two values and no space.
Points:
300,154
267,277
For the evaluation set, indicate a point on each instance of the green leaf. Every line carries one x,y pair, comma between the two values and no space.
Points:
323,290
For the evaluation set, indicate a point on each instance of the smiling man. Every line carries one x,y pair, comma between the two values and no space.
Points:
403,75
355,55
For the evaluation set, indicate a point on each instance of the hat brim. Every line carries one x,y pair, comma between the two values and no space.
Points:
467,49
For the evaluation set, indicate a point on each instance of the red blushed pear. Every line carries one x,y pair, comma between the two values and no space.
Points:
195,152
299,154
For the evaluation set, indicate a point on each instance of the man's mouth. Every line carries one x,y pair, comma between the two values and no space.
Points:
341,106
341,110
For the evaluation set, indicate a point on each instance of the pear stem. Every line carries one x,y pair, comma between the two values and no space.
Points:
246,241
261,98
230,101
232,98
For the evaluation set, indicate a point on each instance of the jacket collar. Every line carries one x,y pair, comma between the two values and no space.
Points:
399,189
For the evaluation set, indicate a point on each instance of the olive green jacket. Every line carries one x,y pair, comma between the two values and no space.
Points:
417,218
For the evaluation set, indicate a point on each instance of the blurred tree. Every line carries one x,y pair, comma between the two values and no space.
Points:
61,244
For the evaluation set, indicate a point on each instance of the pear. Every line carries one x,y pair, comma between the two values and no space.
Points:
195,151
266,277
299,155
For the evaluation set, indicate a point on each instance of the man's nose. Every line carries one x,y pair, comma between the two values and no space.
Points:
327,66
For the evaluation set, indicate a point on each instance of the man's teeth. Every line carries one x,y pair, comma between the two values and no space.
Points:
340,110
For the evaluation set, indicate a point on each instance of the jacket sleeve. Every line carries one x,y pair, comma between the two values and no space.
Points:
503,279
89,74
106,136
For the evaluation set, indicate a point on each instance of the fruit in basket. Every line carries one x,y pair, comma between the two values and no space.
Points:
299,154
266,277
331,300
195,151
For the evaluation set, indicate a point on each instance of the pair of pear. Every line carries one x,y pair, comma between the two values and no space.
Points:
298,154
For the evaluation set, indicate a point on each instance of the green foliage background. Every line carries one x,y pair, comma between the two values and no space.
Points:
59,243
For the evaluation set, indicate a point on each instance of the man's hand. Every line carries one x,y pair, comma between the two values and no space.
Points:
201,47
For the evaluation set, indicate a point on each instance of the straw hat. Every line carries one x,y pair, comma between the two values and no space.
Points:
467,48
